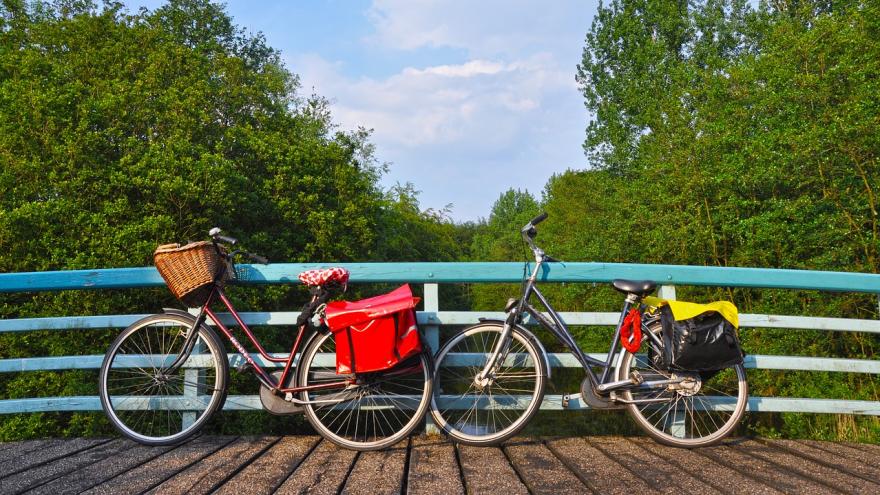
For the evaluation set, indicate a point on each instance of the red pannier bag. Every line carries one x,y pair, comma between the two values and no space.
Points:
374,334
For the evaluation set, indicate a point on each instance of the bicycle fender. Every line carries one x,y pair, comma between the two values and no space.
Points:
529,335
179,312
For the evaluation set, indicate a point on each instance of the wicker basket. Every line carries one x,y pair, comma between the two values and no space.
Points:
189,270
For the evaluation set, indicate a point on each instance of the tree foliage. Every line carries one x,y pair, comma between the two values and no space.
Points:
121,131
727,135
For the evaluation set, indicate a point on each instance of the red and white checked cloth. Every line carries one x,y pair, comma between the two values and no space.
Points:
323,275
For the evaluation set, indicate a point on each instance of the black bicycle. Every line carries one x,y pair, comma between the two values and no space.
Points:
489,378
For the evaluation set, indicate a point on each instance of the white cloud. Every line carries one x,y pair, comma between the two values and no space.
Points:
476,105
469,69
484,28
508,115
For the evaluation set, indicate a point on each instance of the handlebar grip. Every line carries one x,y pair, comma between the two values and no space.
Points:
227,240
538,219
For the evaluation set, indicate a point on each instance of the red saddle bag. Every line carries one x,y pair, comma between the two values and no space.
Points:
374,334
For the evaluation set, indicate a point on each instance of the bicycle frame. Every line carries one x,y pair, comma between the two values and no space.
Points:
265,378
559,329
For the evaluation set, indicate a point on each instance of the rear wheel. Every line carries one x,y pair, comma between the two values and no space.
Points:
376,411
699,411
148,402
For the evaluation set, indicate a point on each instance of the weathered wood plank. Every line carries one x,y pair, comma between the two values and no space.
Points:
486,470
830,477
851,451
866,446
147,476
654,470
86,477
540,470
268,472
761,470
433,468
378,472
595,469
854,466
211,472
709,471
38,475
322,472
43,451
11,451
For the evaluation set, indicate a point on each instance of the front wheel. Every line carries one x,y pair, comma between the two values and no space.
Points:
145,400
487,412
699,411
376,410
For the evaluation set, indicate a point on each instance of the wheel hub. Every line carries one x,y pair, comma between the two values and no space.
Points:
690,384
482,383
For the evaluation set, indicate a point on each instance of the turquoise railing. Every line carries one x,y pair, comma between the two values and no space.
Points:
432,274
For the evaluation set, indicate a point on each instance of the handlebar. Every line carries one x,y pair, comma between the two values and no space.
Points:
538,219
259,259
216,236
529,232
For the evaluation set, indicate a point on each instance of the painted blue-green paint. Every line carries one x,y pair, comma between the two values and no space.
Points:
551,402
565,360
432,273
117,278
430,318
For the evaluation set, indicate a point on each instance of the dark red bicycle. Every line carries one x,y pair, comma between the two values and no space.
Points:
165,375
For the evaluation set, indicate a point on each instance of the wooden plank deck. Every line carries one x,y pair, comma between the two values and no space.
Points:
307,464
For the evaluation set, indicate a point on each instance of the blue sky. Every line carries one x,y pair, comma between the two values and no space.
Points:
466,99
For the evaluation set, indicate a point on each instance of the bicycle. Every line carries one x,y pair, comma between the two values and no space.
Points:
489,379
165,375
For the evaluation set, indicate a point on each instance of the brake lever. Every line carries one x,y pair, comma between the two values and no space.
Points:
259,259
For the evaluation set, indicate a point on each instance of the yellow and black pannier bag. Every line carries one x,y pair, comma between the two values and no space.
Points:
699,337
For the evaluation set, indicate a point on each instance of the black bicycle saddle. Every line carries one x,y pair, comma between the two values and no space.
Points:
640,287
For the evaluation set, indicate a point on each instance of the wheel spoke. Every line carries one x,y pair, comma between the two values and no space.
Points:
144,402
492,411
383,408
693,417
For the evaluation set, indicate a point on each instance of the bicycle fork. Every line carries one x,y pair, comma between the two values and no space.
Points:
188,344
499,353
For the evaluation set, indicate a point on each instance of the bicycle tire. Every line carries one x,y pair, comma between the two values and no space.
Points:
373,415
668,423
133,367
466,427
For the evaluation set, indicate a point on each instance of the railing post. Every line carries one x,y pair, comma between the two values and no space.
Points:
432,338
666,292
678,429
193,380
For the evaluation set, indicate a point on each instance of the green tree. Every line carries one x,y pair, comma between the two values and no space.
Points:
120,131
741,137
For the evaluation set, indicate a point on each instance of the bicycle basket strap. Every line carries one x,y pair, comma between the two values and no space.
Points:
322,276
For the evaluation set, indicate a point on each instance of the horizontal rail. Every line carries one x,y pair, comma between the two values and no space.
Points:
118,278
561,360
551,403
433,273
279,318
